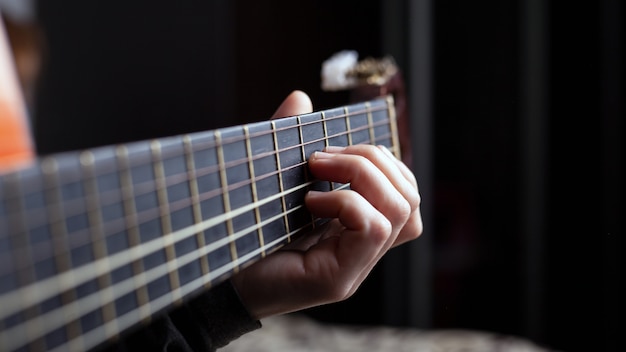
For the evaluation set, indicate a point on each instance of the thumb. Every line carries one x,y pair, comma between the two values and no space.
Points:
296,103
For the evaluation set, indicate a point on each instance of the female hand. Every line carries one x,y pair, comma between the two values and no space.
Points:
381,210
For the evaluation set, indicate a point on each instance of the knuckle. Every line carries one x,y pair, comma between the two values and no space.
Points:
414,201
402,212
340,292
380,230
415,227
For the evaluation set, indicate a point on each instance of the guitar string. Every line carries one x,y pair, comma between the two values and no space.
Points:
233,214
180,235
80,237
246,232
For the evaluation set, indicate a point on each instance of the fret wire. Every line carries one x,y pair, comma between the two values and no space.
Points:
96,225
348,130
49,167
166,223
225,195
302,144
326,137
253,184
195,202
26,258
134,240
393,127
132,233
281,187
370,122
326,143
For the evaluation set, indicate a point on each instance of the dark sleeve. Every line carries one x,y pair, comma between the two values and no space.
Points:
205,323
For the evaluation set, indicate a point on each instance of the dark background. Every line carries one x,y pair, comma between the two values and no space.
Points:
519,105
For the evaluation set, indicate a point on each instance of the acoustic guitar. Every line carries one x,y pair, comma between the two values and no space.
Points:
94,242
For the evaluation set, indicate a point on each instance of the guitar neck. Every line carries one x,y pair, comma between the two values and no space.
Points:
94,242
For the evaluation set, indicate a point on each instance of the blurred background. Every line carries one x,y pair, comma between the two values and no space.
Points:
516,121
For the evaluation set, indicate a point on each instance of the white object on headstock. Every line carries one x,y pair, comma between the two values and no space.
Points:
335,71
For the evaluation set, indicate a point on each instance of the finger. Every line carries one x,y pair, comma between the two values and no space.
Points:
414,226
401,177
406,172
360,243
389,166
366,179
411,230
296,103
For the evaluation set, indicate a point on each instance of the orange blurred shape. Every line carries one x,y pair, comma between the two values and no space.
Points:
16,146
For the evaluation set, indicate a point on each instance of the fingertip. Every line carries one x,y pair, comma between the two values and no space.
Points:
296,103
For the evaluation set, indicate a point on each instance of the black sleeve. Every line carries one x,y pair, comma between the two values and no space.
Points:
205,323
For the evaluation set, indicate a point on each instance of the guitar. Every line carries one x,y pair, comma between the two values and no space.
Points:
95,242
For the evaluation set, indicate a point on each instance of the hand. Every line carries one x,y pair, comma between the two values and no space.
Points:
380,211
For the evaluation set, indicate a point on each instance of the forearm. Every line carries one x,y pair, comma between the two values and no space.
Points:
205,323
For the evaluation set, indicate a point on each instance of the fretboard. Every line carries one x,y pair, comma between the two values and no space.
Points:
97,241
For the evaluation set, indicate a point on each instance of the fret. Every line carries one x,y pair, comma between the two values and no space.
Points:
370,121
267,180
326,136
55,195
314,138
358,122
195,204
393,127
234,146
166,223
281,184
131,236
326,144
16,224
336,127
293,169
226,196
108,180
347,121
210,194
337,131
255,195
178,181
94,319
304,157
25,276
382,129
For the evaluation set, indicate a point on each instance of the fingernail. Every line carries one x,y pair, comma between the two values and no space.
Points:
334,149
322,155
386,150
313,193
